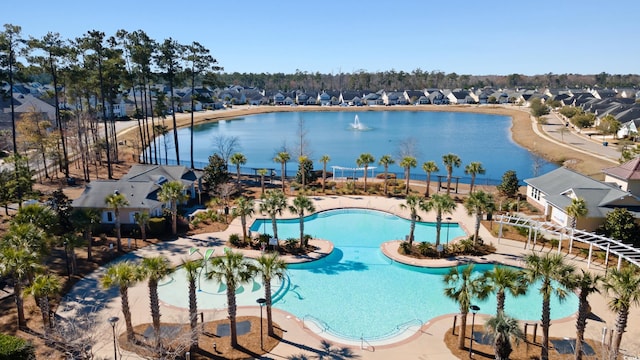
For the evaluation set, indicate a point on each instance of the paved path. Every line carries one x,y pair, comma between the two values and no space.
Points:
577,140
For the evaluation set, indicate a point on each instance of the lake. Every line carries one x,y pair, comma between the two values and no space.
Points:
473,137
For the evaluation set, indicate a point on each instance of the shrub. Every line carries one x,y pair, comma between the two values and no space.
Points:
235,240
157,225
15,348
291,242
405,248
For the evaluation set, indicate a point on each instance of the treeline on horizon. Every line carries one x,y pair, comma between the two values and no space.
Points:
120,49
420,79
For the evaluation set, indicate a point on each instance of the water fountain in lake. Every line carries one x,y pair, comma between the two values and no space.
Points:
357,125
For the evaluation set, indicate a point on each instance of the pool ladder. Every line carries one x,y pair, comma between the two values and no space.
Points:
323,326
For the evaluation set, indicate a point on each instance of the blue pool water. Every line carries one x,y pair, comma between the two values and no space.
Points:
357,228
357,292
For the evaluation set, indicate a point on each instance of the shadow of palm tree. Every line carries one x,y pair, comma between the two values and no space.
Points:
326,352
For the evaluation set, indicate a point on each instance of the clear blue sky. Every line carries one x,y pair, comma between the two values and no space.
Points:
466,37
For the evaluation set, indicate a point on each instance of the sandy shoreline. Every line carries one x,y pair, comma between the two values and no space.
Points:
521,128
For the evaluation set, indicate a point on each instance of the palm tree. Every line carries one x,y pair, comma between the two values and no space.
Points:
474,168
302,161
192,268
546,269
450,161
123,275
577,209
85,220
116,201
324,160
154,269
462,288
413,203
301,204
244,208
19,263
442,204
273,203
586,283
502,279
385,161
503,328
173,193
429,167
407,163
623,289
233,270
42,288
262,173
238,159
270,266
142,220
283,157
364,160
479,203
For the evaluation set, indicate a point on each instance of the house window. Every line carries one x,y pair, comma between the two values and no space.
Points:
535,193
109,216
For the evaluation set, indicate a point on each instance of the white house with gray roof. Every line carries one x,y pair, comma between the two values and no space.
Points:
553,192
140,187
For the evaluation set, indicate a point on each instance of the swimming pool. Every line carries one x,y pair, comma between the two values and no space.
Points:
357,292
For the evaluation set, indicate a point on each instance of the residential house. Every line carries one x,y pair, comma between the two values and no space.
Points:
553,192
351,98
329,98
373,98
390,98
629,128
140,186
603,93
30,103
415,97
458,96
436,97
626,176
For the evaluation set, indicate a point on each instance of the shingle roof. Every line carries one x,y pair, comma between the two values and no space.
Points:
562,184
138,194
627,171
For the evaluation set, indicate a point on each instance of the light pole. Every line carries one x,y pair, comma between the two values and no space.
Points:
66,258
113,320
474,310
448,224
261,302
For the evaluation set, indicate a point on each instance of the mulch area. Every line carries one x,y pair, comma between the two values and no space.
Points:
483,347
213,332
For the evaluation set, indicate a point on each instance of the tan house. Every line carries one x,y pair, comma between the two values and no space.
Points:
627,176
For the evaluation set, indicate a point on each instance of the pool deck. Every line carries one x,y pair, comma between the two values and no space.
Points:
299,340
